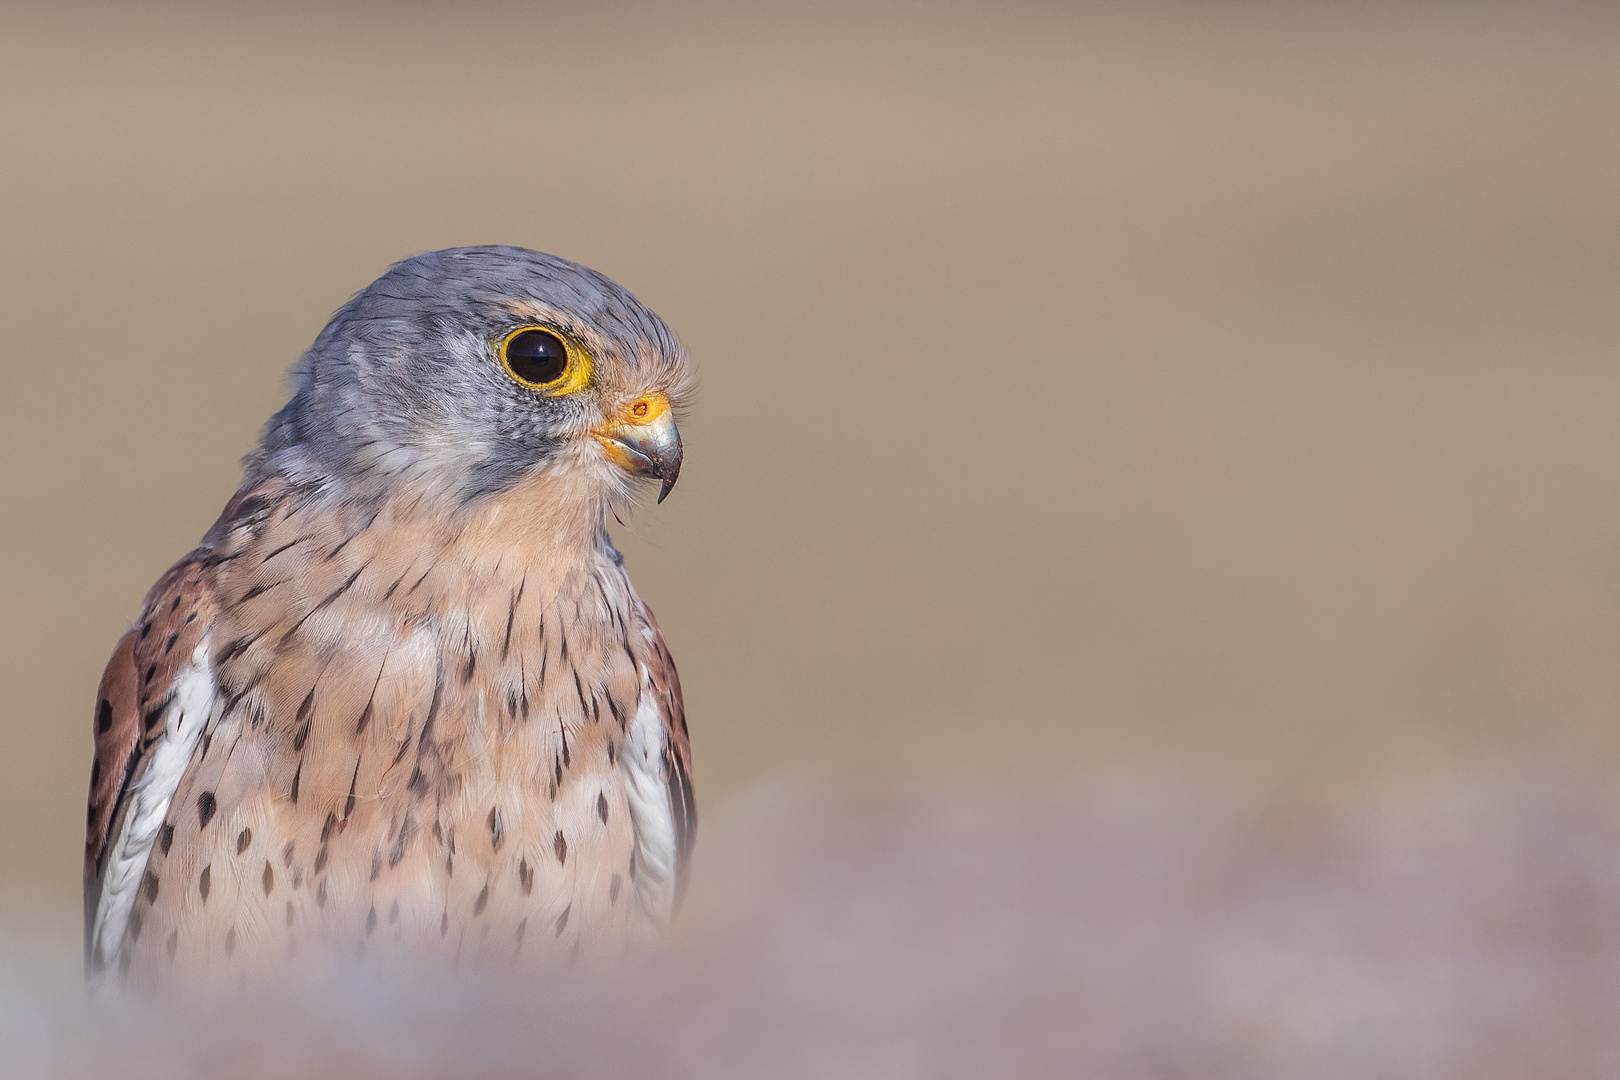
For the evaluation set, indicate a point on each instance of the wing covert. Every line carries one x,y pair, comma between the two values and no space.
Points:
665,686
152,678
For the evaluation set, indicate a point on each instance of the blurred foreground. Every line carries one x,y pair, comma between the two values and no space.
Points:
1144,925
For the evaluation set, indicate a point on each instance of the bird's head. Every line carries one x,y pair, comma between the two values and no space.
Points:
465,375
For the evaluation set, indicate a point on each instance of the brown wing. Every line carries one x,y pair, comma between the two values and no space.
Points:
136,692
666,684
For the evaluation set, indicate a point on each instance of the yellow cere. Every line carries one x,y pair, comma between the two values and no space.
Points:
576,374
646,409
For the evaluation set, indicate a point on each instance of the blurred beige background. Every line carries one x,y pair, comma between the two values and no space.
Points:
1078,385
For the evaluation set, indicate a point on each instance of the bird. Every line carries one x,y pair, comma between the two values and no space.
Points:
402,699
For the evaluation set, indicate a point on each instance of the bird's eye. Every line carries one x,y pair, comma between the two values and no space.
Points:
535,357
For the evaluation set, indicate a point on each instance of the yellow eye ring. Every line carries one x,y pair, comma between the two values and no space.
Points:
544,359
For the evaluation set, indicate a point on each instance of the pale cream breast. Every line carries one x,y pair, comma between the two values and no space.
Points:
416,741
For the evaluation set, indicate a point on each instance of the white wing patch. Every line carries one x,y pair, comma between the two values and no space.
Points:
149,800
648,790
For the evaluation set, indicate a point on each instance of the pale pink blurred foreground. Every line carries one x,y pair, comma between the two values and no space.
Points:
1148,925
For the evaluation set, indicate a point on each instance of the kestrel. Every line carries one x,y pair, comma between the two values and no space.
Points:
403,696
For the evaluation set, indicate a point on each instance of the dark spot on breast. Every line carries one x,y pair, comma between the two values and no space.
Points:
135,926
328,826
482,901
167,645
205,881
173,944
496,832
104,716
560,847
243,839
287,854
348,804
257,590
320,859
235,649
230,941
525,876
206,805
523,924
376,864
601,806
150,887
95,774
613,889
407,834
444,924
613,752
283,547
371,921
297,776
320,894
269,878
166,838
562,920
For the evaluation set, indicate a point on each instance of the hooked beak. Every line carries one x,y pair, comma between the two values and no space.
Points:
643,440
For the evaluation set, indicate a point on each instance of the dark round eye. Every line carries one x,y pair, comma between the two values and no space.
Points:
537,356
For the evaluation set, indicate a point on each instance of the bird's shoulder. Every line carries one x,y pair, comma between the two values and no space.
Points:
138,689
660,695
161,659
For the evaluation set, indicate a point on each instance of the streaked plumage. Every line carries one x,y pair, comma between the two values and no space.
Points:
403,694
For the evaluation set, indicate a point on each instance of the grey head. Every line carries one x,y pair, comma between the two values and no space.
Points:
462,373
